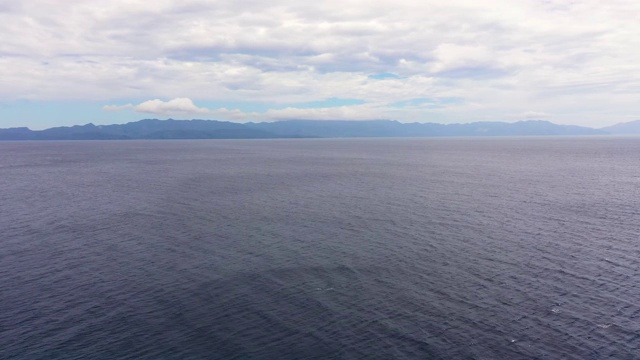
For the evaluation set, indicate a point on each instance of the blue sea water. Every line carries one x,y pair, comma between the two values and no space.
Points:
485,248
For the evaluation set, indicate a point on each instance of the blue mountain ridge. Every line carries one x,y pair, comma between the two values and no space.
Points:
213,129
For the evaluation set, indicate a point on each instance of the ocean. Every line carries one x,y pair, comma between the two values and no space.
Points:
447,248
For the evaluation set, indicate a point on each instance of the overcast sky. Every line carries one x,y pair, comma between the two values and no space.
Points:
65,62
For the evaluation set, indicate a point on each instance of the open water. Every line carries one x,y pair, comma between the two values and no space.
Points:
490,248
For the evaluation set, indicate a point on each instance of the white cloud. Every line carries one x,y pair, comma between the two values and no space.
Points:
117,107
354,112
177,105
502,57
532,115
452,56
185,108
180,106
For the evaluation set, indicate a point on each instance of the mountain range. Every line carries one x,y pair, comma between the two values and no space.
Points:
212,129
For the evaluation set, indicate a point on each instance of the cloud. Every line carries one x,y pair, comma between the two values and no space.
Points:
498,56
355,112
535,115
117,107
183,106
177,105
331,109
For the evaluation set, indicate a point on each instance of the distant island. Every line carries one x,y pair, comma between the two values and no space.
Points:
212,129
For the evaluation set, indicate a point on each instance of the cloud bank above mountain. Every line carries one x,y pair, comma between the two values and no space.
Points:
570,61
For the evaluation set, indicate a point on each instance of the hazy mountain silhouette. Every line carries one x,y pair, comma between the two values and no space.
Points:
628,128
143,129
387,128
212,129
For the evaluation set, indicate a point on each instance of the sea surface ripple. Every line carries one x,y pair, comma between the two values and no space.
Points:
486,248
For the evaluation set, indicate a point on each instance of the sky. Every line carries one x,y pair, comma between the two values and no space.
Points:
67,62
